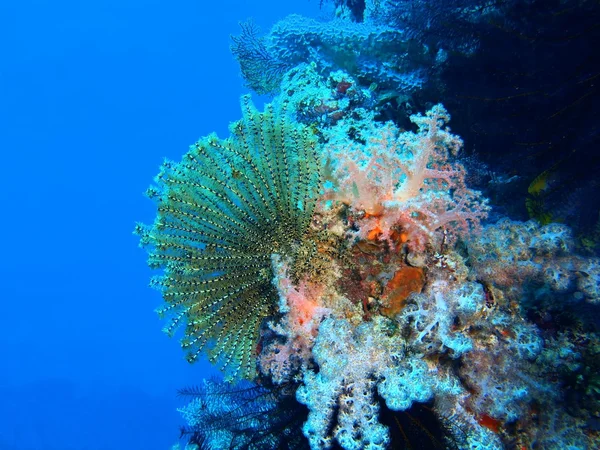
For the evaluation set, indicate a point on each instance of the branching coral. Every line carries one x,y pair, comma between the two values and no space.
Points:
432,316
354,365
404,178
222,212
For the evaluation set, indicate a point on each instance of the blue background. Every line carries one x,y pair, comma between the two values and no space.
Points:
93,95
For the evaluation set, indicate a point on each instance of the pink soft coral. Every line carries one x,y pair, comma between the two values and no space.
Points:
298,328
404,179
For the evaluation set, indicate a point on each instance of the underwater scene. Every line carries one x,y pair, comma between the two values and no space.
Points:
369,273
366,224
399,250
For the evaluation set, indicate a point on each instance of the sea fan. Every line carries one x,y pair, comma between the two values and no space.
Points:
222,212
260,68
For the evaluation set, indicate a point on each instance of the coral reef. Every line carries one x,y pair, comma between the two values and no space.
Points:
395,295
334,253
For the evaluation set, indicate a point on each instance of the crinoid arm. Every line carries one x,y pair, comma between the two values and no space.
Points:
222,212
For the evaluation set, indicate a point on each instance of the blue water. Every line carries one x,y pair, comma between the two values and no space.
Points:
93,95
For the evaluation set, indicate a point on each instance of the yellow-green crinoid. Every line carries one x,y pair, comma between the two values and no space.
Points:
222,212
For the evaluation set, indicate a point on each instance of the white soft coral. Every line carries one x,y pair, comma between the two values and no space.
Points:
355,364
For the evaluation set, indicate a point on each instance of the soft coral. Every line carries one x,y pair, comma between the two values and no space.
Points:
404,178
